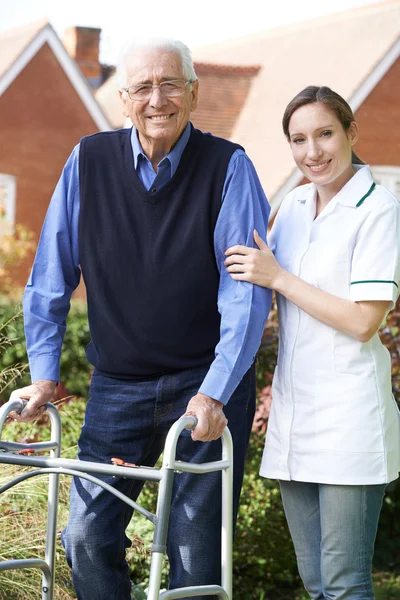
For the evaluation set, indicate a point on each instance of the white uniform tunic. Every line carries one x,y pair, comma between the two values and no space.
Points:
333,417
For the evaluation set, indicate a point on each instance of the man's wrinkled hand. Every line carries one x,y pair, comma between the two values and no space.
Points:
37,394
211,420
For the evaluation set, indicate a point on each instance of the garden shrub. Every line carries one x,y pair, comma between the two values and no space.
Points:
16,243
24,512
387,552
263,558
264,562
75,370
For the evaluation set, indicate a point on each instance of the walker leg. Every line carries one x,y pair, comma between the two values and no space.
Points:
52,508
159,546
51,537
227,518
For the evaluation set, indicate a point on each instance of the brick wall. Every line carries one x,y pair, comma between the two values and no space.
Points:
82,43
379,121
41,120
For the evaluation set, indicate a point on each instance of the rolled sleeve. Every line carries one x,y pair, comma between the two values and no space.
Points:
375,267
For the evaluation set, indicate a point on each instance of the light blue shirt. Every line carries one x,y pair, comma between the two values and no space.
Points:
56,272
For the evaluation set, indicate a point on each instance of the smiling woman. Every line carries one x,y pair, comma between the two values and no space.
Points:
322,134
333,437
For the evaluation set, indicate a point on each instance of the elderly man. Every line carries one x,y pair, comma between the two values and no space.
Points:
146,214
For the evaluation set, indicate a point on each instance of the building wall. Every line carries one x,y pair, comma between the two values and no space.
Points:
42,118
222,94
379,121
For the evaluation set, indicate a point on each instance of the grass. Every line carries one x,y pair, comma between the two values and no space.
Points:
387,586
23,532
24,510
23,524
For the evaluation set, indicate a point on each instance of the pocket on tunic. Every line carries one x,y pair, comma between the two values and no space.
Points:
332,269
348,416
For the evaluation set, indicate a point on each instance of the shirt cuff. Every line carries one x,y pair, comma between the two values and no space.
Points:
219,385
44,366
374,290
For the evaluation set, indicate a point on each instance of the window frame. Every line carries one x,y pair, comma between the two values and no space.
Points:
8,190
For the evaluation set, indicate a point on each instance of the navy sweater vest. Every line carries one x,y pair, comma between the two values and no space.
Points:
147,257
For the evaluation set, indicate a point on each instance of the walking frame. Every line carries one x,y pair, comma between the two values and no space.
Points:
22,454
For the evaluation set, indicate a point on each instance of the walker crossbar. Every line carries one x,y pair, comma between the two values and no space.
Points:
206,590
102,484
56,466
36,446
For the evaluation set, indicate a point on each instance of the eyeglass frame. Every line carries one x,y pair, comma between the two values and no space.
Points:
159,85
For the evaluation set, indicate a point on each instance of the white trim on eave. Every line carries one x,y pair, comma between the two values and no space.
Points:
360,95
47,34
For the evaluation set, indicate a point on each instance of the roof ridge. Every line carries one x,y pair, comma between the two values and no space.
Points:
202,66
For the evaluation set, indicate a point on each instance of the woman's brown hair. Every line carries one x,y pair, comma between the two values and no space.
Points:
331,99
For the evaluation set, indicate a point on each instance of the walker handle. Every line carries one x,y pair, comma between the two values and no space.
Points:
16,405
22,403
192,423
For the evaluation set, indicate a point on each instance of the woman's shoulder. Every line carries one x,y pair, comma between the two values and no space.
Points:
381,204
386,197
378,198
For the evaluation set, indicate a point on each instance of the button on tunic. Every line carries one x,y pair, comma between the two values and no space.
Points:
333,417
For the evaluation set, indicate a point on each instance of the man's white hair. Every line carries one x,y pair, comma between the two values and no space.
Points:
171,45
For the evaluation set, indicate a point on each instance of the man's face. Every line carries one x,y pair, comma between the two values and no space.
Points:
158,120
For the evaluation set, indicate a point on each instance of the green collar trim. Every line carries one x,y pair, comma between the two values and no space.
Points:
374,281
371,189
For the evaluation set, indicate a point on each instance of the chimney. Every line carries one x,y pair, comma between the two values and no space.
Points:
83,43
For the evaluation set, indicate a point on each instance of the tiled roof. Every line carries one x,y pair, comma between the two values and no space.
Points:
338,50
203,68
223,92
14,41
19,46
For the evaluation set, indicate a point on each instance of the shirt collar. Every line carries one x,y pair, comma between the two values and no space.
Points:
174,156
351,194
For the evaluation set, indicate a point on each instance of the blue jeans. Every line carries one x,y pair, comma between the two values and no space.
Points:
333,528
130,420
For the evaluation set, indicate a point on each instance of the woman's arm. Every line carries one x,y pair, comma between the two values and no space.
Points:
360,320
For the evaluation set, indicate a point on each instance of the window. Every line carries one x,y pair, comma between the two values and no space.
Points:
389,177
7,199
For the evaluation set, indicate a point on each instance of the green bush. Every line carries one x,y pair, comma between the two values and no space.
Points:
263,558
24,510
264,562
75,370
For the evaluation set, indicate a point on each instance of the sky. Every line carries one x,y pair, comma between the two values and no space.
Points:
195,23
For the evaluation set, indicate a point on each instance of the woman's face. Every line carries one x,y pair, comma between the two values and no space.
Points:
321,147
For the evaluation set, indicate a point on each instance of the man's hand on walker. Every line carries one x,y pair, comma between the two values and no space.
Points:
211,420
37,394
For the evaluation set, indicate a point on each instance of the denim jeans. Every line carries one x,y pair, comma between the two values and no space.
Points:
333,528
130,420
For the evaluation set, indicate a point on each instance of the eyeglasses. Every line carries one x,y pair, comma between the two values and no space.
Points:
169,89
